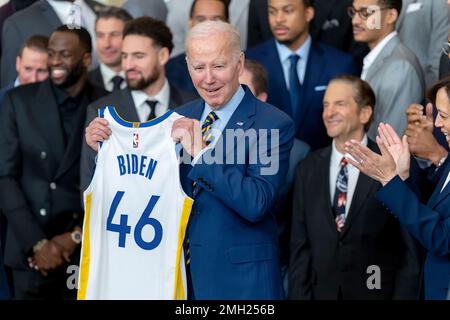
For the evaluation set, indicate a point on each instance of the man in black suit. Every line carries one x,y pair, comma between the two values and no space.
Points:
41,127
42,17
344,243
108,39
146,48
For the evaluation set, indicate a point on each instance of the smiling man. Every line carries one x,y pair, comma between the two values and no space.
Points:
339,230
392,70
40,135
109,33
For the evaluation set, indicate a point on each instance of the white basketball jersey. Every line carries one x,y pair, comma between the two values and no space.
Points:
136,215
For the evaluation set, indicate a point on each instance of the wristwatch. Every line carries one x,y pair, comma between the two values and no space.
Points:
76,236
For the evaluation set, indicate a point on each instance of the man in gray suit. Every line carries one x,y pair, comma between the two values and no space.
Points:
391,69
423,27
43,17
146,48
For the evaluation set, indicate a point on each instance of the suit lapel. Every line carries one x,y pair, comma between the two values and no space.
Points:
437,195
379,61
275,70
47,118
363,190
323,182
312,78
73,150
126,107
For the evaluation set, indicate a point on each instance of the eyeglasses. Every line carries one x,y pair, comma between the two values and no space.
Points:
446,48
365,12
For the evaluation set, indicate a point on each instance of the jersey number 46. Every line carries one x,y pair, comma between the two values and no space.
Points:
124,229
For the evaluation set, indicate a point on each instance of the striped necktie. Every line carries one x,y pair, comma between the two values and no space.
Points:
207,127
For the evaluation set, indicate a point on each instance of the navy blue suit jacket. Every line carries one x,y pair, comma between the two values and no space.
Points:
177,74
324,63
430,224
232,234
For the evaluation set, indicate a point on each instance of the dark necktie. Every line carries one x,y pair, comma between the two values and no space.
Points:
340,195
294,84
117,81
152,105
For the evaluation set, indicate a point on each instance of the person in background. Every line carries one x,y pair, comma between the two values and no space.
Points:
108,38
41,129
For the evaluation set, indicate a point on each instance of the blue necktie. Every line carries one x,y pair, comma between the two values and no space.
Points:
340,195
294,84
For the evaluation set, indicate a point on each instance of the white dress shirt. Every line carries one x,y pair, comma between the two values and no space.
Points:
108,74
373,54
284,53
142,108
353,174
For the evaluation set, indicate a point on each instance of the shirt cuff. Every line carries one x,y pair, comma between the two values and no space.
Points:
199,155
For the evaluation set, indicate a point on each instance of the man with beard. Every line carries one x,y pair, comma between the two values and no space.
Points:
41,127
146,48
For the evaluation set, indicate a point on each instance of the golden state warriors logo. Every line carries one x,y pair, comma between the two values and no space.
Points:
135,140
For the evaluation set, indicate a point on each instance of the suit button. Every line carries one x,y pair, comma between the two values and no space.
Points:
75,215
52,185
43,212
43,155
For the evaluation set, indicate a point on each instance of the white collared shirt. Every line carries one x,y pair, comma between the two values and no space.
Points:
284,53
353,174
142,108
373,54
108,74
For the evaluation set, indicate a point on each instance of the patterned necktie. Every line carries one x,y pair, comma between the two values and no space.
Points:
340,195
294,83
207,127
152,105
117,81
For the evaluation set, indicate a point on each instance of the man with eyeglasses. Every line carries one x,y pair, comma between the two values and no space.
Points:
391,69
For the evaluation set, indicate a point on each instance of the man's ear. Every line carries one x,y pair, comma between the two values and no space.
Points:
18,62
309,11
87,59
392,17
366,114
163,56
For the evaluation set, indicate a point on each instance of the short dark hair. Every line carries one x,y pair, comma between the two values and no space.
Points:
36,42
392,4
113,12
151,28
226,3
259,76
83,35
432,92
362,93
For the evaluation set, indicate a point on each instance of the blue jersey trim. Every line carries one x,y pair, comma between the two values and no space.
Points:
129,124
